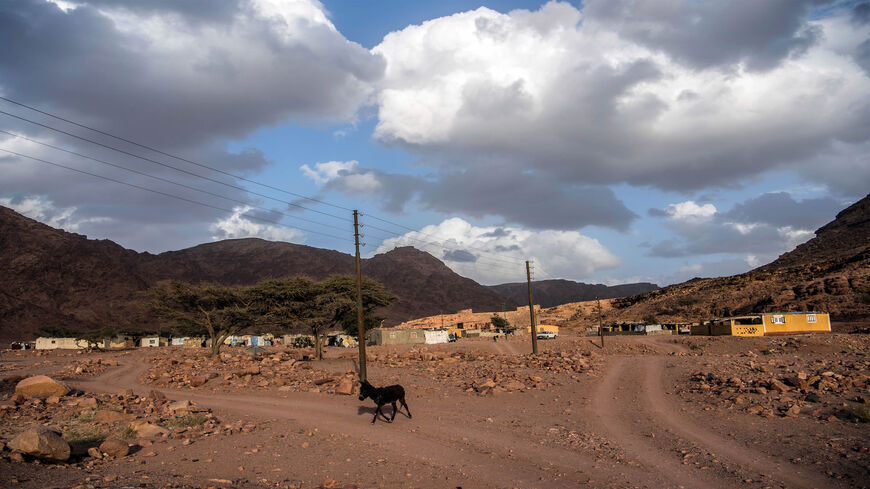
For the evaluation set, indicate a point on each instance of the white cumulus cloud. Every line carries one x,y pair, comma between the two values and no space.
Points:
492,254
239,225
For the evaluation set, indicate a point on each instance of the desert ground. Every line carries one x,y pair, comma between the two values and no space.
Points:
639,412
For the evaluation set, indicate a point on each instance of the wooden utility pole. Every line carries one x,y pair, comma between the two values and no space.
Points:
533,328
600,331
360,322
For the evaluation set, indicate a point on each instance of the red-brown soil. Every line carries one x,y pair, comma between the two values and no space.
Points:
634,416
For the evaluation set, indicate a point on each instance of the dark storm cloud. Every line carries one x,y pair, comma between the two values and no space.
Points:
862,56
861,13
708,34
192,10
496,233
781,209
184,77
459,256
536,201
766,225
81,62
676,94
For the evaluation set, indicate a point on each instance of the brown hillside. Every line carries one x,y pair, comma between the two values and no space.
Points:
550,293
829,273
55,278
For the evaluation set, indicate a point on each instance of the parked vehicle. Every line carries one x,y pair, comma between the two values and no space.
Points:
547,335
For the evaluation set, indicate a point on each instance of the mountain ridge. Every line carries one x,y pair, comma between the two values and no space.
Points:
56,278
550,293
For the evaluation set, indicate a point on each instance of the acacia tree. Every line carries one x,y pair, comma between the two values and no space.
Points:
300,302
374,297
217,310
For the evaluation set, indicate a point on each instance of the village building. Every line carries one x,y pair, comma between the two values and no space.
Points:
467,319
766,324
46,343
120,341
543,327
393,336
153,341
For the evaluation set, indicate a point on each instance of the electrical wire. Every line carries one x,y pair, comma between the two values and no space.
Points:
174,167
189,187
166,194
513,261
119,138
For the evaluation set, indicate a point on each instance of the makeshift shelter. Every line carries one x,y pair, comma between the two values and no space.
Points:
391,336
436,336
43,343
153,341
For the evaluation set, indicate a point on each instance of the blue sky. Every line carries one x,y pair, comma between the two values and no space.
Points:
609,141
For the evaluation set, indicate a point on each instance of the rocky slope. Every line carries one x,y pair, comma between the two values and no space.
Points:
55,278
829,273
550,293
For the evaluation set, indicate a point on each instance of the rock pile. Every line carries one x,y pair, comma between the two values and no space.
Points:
488,373
236,370
786,386
90,428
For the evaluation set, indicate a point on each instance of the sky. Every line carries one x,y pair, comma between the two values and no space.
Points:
608,141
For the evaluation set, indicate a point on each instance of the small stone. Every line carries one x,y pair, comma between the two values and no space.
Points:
95,452
115,448
156,395
87,402
148,430
778,386
345,387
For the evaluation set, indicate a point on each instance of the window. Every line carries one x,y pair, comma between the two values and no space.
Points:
811,318
777,320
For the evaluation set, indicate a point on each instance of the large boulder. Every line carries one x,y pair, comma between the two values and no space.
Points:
41,386
115,448
41,442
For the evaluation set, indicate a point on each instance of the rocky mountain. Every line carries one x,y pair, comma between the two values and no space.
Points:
549,293
829,273
55,278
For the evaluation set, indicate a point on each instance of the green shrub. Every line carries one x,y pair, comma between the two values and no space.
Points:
188,421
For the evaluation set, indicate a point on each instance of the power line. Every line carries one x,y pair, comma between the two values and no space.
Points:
189,187
158,151
172,156
166,194
174,167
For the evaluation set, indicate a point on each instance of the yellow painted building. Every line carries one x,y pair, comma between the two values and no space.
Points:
543,327
767,324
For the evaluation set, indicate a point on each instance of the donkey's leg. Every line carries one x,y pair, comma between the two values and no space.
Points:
394,412
377,411
402,400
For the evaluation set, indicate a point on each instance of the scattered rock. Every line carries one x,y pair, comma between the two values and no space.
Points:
41,386
107,416
41,442
144,429
115,448
778,386
179,407
345,387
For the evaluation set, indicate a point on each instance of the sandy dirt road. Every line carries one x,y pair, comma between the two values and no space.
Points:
650,439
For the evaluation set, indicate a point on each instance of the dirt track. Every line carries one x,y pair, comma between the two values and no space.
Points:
621,428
